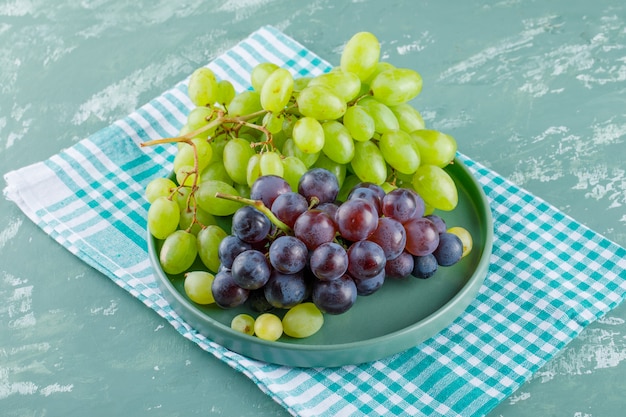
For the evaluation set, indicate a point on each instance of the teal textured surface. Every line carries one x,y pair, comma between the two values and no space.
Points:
549,277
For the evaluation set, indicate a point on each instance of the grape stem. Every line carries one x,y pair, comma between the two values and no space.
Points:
258,204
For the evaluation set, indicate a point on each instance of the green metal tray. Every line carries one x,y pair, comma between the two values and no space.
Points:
400,315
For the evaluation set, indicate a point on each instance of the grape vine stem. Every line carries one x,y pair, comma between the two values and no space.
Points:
258,204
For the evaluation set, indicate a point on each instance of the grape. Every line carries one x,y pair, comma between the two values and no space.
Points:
288,254
287,207
356,219
186,175
186,154
208,240
465,236
202,87
359,123
178,252
291,149
159,187
329,208
368,163
206,199
300,83
244,103
399,151
268,327
260,73
402,204
318,185
384,119
424,266
314,227
329,261
400,267
303,320
194,219
450,249
250,225
320,103
237,152
253,169
286,290
436,187
226,292
308,135
396,86
370,192
338,170
335,296
346,188
345,85
197,286
228,249
258,302
390,236
276,90
338,143
360,55
293,169
408,117
198,118
225,92
422,237
369,286
435,148
163,217
365,259
215,171
243,323
267,188
250,269
270,164
438,221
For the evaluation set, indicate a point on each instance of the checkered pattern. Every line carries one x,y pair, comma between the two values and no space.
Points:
549,276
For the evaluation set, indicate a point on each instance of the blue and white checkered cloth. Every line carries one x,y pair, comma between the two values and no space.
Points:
549,276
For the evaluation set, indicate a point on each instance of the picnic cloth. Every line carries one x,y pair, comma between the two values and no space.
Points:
549,275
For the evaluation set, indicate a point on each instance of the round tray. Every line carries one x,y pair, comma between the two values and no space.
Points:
400,315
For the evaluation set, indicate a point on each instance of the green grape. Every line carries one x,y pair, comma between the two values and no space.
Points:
339,170
303,320
186,175
244,103
183,197
215,171
197,119
384,119
436,187
368,163
268,327
253,169
346,85
273,122
399,151
260,73
163,217
186,154
348,183
218,145
338,143
320,103
225,92
436,148
308,135
300,83
243,323
194,218
197,286
243,190
466,238
408,117
290,149
202,87
237,152
159,187
178,252
206,199
270,164
380,67
359,123
208,241
293,169
360,55
396,86
276,90
387,186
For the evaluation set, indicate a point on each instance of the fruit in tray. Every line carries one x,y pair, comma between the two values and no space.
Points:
330,185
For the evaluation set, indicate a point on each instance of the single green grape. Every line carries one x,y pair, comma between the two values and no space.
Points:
163,217
215,171
273,122
359,123
308,135
194,219
253,169
293,169
436,148
178,252
345,85
197,286
268,326
186,154
276,90
271,164
206,199
291,149
244,103
399,152
408,117
303,320
380,67
436,187
348,183
243,323
396,86
368,163
237,152
360,55
384,119
320,103
159,187
260,73
338,143
202,87
225,92
208,241
186,175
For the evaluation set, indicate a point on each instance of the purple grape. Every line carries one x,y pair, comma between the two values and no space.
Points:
439,223
402,204
450,249
369,286
250,269
422,237
258,302
356,219
368,193
288,254
329,261
250,225
400,267
288,207
314,227
286,290
365,259
424,266
328,208
390,235
335,296
226,292
319,185
267,187
229,248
